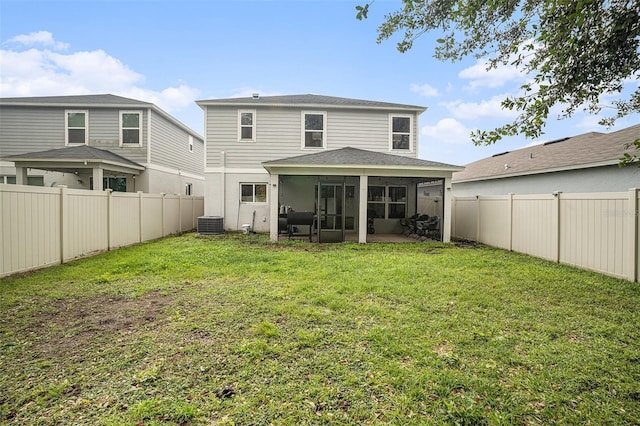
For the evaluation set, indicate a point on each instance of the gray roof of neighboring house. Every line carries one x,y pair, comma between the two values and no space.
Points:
582,151
310,100
83,101
357,157
83,152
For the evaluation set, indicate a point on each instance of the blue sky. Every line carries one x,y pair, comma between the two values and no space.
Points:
172,53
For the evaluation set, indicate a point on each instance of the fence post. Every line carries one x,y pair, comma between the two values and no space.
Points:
109,216
631,245
64,222
510,221
140,216
556,208
478,218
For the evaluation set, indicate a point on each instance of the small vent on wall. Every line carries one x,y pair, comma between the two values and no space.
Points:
210,225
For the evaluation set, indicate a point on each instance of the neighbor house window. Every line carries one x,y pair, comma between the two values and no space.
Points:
401,134
188,189
314,130
253,192
387,202
247,125
190,143
76,127
130,128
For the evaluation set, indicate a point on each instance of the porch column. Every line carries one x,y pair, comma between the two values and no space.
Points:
21,176
274,207
97,179
446,220
362,209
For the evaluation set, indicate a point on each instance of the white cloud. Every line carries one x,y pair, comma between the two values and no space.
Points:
43,72
485,108
479,76
448,130
425,90
44,38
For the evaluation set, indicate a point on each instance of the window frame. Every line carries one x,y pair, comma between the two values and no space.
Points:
190,143
392,133
252,127
253,193
386,200
304,130
67,127
139,128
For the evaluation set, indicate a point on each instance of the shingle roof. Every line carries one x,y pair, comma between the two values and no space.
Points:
586,150
310,100
80,100
357,157
83,152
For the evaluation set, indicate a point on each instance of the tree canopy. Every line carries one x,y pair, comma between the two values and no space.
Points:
579,53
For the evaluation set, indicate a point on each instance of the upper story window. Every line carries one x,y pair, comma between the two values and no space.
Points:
190,145
247,125
401,127
130,128
76,127
314,132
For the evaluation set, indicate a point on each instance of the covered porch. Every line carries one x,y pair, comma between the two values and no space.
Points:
352,195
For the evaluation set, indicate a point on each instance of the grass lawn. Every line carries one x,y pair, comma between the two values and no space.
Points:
235,330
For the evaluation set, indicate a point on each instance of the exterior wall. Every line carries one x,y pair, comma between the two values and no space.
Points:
170,147
45,226
596,231
279,134
597,179
169,181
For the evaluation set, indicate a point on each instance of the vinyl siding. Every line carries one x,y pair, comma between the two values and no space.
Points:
279,134
33,129
25,130
170,147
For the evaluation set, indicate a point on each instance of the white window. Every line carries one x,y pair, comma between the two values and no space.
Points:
253,192
387,202
130,128
246,125
76,127
314,129
190,144
401,130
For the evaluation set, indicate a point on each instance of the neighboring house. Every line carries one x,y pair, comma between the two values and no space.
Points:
583,163
343,160
97,142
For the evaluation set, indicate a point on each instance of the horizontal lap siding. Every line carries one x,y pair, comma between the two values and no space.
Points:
24,130
170,147
104,133
279,134
535,226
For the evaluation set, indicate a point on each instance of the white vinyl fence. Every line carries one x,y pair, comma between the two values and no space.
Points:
46,226
596,231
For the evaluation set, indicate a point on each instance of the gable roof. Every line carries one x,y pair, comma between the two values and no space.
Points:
310,101
582,151
75,154
354,157
85,101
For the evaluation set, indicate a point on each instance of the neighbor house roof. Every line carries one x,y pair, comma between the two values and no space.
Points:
84,101
583,151
309,101
75,154
353,157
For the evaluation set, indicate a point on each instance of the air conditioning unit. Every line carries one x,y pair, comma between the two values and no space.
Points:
210,225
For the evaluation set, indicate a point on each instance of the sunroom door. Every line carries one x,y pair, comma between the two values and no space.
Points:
331,212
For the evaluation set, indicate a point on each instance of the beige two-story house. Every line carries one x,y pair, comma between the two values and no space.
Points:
98,142
350,164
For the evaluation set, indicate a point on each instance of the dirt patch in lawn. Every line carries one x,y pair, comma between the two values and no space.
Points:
70,324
